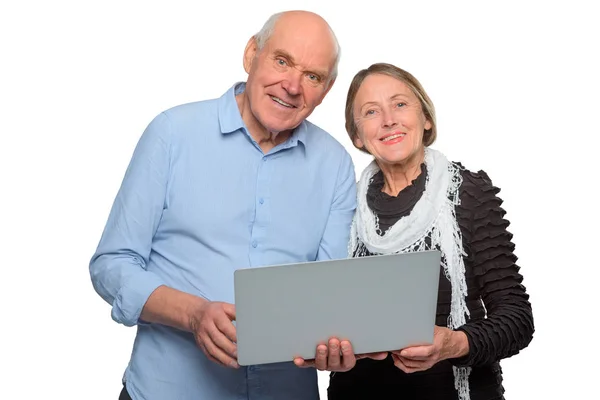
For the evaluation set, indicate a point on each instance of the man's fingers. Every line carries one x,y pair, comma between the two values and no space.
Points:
334,359
302,363
225,326
213,353
221,348
216,334
348,357
336,356
229,311
321,357
209,356
220,355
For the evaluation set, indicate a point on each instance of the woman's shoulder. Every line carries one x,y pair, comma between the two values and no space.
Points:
479,180
479,213
477,188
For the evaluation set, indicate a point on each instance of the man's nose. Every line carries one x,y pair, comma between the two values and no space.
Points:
293,82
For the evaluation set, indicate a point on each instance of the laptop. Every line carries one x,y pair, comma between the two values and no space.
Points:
378,303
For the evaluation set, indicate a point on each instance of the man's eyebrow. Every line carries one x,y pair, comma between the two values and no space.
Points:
284,54
290,59
323,74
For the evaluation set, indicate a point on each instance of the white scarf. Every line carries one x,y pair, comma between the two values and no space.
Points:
433,216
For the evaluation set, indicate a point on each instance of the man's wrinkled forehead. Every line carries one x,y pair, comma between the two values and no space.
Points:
301,45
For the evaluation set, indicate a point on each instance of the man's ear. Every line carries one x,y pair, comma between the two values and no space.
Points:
249,54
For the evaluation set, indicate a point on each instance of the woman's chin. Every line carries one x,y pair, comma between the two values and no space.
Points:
398,157
395,159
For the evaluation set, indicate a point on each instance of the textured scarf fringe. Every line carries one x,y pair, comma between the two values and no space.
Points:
436,212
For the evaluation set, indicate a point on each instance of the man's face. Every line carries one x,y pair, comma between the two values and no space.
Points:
289,77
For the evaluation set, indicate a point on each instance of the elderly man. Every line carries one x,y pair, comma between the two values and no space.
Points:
235,182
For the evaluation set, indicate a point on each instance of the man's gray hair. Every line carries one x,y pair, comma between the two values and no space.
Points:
267,30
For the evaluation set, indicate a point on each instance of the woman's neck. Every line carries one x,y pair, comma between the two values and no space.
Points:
400,175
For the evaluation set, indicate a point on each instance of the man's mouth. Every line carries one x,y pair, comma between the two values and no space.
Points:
283,103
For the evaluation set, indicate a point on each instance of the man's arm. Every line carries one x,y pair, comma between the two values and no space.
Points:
338,355
334,243
119,266
118,269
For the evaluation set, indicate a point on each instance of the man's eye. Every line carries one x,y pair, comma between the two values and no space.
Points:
314,77
281,62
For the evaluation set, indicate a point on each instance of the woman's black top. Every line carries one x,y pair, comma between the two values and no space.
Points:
501,320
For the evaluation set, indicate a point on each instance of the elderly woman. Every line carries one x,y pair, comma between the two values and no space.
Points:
411,198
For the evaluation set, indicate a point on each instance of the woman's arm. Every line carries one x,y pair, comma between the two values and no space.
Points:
509,326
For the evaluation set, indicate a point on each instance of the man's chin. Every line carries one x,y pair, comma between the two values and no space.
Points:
277,129
277,126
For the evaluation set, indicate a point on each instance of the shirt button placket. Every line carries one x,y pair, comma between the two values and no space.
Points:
259,228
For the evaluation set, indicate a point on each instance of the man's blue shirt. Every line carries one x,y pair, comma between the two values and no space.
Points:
199,200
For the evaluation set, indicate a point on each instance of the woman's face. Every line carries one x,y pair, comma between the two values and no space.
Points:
390,120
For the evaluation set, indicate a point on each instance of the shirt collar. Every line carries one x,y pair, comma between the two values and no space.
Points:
230,119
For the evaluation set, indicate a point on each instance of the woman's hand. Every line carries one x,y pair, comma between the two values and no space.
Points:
446,344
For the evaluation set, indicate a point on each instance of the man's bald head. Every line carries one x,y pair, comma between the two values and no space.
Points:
304,23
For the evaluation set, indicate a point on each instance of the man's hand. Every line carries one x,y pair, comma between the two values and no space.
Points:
446,344
214,332
336,356
209,322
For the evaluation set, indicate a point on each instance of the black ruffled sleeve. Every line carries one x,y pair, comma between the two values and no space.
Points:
508,327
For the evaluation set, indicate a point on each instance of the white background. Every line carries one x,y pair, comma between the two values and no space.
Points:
515,85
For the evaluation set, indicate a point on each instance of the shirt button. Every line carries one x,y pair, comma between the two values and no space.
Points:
254,244
264,158
261,200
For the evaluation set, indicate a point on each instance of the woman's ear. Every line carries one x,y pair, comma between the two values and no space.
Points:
428,125
358,143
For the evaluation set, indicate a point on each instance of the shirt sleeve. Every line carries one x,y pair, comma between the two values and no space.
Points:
508,327
334,243
118,268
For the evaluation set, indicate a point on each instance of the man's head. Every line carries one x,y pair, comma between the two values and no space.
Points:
291,65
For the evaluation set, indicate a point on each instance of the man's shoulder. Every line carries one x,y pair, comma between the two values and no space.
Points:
318,138
185,120
192,108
